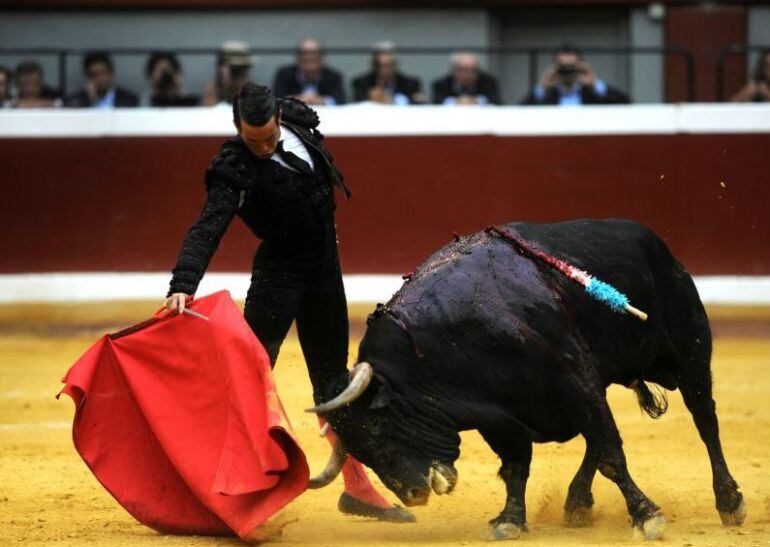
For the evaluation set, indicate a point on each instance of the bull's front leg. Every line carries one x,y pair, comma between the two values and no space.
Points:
580,500
605,447
516,456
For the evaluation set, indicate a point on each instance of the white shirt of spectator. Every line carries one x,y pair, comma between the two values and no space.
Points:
292,143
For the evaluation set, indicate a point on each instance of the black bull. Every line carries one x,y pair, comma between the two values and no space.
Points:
483,337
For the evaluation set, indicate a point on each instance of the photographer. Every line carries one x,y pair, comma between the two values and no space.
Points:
233,68
570,81
164,74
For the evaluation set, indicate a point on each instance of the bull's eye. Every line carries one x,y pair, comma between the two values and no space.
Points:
374,427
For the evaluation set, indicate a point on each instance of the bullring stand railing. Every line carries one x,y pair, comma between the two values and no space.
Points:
532,53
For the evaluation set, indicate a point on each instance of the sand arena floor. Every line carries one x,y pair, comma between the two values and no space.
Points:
50,498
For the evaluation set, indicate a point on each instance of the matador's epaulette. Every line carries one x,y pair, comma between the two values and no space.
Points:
296,112
233,164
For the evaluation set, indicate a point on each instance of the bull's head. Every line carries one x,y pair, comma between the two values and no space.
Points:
408,443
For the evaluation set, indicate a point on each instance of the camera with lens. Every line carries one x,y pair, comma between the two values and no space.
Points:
166,82
567,70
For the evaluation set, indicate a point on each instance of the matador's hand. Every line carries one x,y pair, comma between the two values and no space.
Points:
176,302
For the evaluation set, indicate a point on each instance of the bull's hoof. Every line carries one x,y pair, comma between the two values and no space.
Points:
504,530
736,517
652,528
578,517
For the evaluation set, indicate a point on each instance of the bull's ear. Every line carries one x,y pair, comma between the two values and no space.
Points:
381,397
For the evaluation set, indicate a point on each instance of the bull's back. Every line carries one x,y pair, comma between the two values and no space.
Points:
634,260
482,292
612,248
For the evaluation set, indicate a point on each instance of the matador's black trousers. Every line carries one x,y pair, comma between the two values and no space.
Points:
301,280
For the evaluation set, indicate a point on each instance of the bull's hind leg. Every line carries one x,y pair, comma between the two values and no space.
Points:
516,456
695,385
605,447
577,508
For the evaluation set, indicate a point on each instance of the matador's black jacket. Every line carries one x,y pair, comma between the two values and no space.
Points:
296,273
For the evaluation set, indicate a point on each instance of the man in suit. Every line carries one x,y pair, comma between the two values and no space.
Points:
384,83
570,81
31,89
466,83
100,90
308,79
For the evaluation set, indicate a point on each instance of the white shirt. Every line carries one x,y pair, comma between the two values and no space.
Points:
292,143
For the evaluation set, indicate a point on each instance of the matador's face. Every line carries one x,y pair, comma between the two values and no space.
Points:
262,140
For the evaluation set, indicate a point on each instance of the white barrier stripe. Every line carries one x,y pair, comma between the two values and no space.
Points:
372,120
359,288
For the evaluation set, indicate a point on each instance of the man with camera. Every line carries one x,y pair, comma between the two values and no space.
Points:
570,81
164,75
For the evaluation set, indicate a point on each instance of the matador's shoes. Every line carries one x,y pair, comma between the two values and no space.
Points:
395,513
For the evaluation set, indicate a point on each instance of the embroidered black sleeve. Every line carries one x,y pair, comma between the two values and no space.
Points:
203,237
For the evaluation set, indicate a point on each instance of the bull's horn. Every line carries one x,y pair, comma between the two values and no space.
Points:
361,376
332,469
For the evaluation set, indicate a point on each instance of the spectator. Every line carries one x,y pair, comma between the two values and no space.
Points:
5,87
466,83
233,66
31,88
100,90
164,73
309,80
757,90
385,84
570,81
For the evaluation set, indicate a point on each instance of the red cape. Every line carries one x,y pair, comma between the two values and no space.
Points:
178,417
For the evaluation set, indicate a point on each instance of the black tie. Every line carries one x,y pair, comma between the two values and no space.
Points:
293,160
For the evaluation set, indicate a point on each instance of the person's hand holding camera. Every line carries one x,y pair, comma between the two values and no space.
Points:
586,74
91,91
550,77
762,89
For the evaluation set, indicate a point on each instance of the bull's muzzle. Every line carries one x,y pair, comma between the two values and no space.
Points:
441,479
416,496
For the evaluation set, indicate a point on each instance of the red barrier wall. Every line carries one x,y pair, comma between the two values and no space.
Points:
124,204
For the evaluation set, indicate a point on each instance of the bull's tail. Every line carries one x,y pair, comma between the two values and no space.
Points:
654,402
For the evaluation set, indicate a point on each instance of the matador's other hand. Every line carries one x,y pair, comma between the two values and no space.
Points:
176,302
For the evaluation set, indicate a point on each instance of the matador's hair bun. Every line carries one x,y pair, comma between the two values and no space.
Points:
255,104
